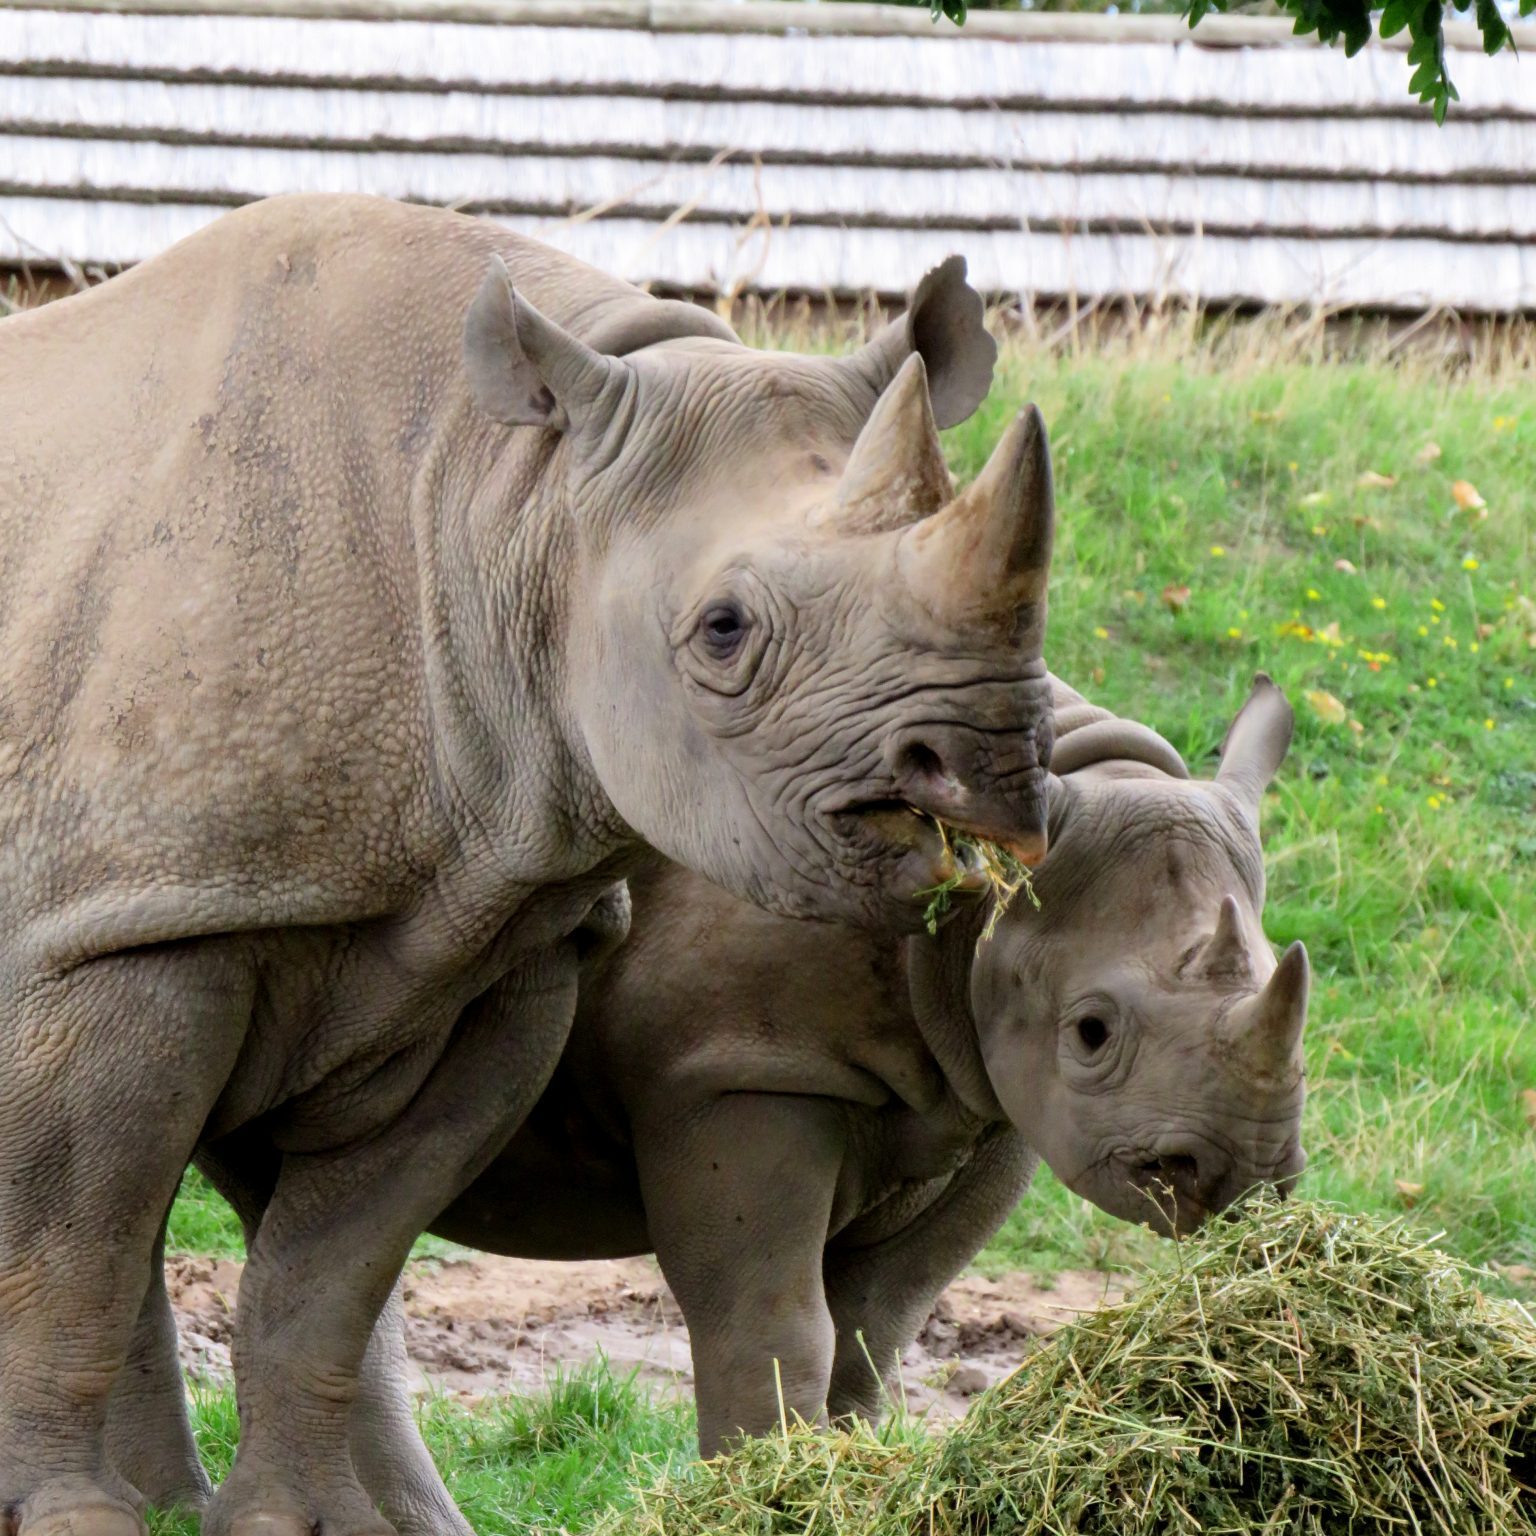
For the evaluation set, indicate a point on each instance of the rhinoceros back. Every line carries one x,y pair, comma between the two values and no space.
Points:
221,482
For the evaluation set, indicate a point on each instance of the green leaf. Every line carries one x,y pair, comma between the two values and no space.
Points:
1394,17
1491,24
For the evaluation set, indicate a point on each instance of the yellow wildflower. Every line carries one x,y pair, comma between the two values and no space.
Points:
1435,802
1218,551
1234,634
1378,602
1313,595
1471,563
1423,629
1431,682
1100,633
1488,724
1437,605
1449,640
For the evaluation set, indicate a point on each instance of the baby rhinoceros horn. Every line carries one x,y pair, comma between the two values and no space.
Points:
1269,1024
987,555
1225,955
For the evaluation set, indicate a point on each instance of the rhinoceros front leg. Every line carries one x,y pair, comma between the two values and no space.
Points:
149,1438
108,1072
881,1294
330,1247
738,1196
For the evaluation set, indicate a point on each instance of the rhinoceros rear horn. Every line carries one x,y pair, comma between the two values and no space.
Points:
1256,742
896,473
523,368
943,324
987,555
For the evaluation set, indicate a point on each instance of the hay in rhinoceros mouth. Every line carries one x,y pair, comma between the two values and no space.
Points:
1004,874
1297,1370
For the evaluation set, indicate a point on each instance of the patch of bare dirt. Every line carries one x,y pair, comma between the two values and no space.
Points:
482,1324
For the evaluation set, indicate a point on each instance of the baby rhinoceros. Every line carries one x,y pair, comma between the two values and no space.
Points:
815,1130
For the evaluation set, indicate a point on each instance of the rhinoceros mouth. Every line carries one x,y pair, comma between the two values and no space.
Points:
906,847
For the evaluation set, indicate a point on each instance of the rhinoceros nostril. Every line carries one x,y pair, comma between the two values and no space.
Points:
919,761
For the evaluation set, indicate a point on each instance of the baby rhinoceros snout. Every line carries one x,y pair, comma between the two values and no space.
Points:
1185,1185
993,786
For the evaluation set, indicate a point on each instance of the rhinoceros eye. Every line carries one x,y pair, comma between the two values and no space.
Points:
722,628
1093,1032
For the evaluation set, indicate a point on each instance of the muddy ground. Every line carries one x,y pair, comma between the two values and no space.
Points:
482,1324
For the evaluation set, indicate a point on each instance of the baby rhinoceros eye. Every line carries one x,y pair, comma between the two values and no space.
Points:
1093,1032
722,628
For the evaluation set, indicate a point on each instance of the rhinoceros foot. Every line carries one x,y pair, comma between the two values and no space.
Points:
254,1508
77,1512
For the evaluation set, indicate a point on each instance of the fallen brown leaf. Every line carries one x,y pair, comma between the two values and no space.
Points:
1371,480
1408,1192
1427,454
1528,1100
1465,495
1175,597
1347,566
1326,707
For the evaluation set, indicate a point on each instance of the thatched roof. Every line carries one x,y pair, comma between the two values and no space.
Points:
826,149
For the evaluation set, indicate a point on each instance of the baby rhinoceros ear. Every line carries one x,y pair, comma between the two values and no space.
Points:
527,371
1256,743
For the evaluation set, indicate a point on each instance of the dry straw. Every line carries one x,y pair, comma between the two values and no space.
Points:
1003,877
1297,1370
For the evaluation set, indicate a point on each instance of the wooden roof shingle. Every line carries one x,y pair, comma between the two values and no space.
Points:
830,149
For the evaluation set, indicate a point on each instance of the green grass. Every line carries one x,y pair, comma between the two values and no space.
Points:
548,1462
1401,833
1401,838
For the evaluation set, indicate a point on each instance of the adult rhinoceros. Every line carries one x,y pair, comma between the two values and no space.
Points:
375,584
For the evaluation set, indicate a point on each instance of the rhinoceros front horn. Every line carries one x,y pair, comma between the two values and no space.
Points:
1270,1023
896,473
987,555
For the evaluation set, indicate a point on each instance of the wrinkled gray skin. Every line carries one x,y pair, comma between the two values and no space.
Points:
815,1132
375,585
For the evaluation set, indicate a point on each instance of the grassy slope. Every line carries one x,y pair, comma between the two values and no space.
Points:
1401,840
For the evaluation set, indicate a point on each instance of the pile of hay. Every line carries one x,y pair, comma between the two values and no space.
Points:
1297,1370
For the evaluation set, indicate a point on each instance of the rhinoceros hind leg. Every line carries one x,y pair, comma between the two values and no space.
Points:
392,1460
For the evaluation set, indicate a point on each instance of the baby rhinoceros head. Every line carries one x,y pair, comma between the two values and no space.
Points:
788,636
1138,1028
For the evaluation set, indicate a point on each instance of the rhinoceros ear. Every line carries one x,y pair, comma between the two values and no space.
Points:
523,368
1256,742
944,326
